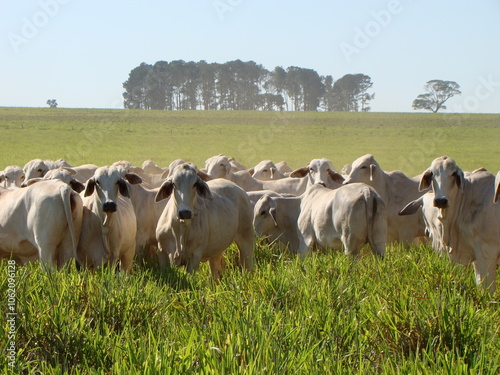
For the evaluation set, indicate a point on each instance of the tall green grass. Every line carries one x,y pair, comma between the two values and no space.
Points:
413,312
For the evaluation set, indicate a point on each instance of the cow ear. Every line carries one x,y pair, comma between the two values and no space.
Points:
301,172
497,192
425,181
164,175
76,186
70,170
123,187
251,171
165,191
459,178
411,207
203,190
2,177
272,212
203,176
133,178
32,181
89,190
372,169
336,177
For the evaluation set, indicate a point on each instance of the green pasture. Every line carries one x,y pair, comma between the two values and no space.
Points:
413,312
404,141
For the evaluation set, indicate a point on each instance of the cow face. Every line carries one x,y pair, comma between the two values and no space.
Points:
12,177
363,170
446,179
266,171
218,166
321,172
35,168
264,216
186,186
107,183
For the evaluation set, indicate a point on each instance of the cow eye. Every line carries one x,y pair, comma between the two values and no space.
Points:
364,167
265,171
39,170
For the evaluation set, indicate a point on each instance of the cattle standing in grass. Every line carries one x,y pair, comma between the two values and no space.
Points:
109,223
468,220
320,171
202,219
396,190
42,221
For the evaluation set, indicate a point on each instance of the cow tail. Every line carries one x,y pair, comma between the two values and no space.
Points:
66,192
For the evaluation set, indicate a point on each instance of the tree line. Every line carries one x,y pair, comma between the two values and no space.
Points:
238,85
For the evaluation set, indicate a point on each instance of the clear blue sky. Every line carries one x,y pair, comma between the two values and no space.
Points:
80,52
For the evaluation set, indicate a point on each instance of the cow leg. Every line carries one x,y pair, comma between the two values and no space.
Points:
245,245
485,271
127,259
194,261
217,266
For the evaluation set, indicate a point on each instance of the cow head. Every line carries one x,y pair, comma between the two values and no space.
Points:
266,170
218,166
12,177
264,216
321,172
186,185
35,168
107,183
446,180
363,170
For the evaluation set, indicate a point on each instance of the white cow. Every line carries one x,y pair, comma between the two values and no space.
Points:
219,167
202,219
275,218
12,177
322,217
64,174
396,190
320,171
35,168
42,221
351,215
109,223
266,170
469,220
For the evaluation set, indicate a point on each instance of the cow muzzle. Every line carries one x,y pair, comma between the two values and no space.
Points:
185,214
440,202
109,207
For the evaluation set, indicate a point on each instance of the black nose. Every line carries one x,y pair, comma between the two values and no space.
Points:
441,202
109,207
185,214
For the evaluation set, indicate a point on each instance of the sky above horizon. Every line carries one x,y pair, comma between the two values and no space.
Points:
80,52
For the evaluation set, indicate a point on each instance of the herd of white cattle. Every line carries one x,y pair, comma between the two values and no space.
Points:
55,212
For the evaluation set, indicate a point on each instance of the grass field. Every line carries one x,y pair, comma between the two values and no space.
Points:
412,313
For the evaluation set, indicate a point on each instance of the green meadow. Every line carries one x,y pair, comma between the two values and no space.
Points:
413,312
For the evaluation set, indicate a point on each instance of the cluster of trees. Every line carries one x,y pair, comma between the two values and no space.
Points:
238,85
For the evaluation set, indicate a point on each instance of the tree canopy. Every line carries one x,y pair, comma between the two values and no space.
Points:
238,85
437,93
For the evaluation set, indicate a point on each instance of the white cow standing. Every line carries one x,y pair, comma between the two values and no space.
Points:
202,219
42,221
396,190
109,223
467,218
